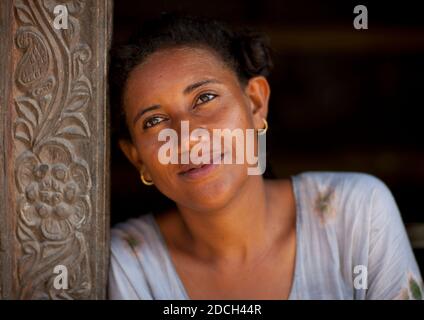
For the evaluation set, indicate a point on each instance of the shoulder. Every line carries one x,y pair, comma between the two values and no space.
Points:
341,189
135,244
353,221
136,234
129,231
346,181
342,199
134,259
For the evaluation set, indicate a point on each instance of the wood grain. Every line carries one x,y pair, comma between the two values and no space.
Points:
54,149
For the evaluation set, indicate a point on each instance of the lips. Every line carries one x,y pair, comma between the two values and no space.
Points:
196,170
188,167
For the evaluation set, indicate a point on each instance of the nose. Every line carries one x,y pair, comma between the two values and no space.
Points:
187,139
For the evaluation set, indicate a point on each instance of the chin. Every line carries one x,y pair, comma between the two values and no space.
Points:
214,194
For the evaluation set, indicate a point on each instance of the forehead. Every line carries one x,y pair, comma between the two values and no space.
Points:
173,69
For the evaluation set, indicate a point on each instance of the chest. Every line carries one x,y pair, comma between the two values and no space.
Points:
268,278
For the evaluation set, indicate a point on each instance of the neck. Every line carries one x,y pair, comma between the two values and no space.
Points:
237,231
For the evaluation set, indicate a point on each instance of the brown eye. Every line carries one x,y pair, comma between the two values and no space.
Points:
151,122
205,97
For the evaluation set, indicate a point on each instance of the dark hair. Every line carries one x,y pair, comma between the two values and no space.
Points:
244,51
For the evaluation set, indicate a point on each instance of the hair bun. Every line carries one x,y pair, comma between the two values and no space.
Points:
255,53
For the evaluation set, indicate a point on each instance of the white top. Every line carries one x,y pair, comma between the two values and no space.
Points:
351,244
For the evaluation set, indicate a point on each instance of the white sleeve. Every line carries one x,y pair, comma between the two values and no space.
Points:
119,286
393,272
126,276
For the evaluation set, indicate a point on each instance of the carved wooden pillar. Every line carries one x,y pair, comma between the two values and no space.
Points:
54,149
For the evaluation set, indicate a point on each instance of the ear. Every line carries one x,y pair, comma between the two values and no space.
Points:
258,92
131,153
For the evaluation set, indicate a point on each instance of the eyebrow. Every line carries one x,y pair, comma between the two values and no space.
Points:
198,84
187,90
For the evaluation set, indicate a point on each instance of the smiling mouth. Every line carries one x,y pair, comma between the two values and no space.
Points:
199,170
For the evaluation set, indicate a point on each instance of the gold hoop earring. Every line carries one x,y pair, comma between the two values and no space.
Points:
146,182
264,130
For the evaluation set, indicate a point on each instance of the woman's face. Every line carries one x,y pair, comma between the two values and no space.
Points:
194,85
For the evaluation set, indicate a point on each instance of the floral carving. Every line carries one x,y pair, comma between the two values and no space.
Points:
413,291
54,193
324,206
52,180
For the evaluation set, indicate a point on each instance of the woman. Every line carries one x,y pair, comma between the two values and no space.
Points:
233,235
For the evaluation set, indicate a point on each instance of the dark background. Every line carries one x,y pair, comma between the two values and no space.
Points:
341,100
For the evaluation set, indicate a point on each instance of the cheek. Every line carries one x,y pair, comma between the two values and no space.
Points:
148,149
162,174
233,113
